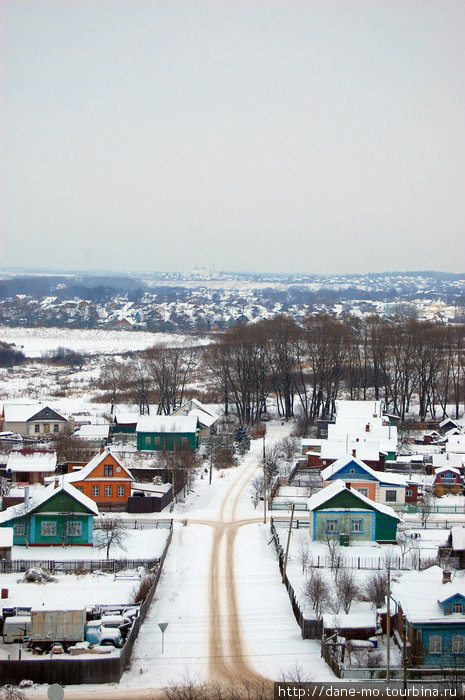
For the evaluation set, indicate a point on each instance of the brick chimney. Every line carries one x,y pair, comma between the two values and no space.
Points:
446,576
354,452
102,448
367,428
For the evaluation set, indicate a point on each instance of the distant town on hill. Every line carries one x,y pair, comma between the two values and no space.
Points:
204,300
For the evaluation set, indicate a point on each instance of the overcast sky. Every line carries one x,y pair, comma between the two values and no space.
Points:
318,136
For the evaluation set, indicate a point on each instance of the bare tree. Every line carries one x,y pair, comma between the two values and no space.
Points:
111,533
316,592
303,554
374,589
346,588
426,506
257,490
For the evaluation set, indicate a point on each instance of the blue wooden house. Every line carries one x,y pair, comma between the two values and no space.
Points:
59,515
432,607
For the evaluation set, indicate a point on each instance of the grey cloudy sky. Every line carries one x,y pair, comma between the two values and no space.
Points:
285,136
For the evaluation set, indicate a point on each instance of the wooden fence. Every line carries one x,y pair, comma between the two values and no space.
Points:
82,669
310,628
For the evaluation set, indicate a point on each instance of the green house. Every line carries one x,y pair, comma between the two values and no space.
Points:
340,511
58,515
170,433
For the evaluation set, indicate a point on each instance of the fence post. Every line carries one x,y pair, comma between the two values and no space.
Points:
358,563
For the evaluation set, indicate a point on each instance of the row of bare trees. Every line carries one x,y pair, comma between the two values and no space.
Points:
307,365
311,364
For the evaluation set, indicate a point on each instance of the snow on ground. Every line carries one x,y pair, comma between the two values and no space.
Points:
34,342
139,544
68,591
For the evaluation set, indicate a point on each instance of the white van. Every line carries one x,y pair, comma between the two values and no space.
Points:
16,628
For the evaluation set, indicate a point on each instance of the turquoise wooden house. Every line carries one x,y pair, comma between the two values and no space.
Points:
167,433
344,512
58,515
432,608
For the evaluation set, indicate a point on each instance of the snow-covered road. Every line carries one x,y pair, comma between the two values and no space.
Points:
229,616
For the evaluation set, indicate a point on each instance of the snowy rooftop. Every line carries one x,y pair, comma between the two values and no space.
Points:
382,477
366,451
458,537
419,593
6,537
338,486
42,496
441,470
95,432
358,409
81,474
21,412
167,424
32,461
448,459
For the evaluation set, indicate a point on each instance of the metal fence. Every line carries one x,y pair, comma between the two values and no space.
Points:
54,566
136,524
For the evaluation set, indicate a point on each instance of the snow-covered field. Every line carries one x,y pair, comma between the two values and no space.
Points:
34,342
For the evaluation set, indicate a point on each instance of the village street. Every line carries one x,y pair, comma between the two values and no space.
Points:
229,616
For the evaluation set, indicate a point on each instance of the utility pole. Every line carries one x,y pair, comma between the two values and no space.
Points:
211,462
404,639
388,628
287,545
264,480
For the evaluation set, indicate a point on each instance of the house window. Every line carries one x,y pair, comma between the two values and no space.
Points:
356,525
74,528
458,644
20,529
46,427
331,525
108,490
157,441
352,471
148,441
95,490
55,428
184,441
79,488
363,492
435,644
120,491
37,428
108,469
457,606
408,493
391,496
48,529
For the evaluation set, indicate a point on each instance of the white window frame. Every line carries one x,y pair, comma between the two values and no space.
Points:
76,526
108,492
19,529
148,441
330,530
458,644
363,491
120,491
457,606
435,644
48,528
95,490
359,528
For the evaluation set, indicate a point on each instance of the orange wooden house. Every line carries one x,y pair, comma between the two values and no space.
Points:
105,480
